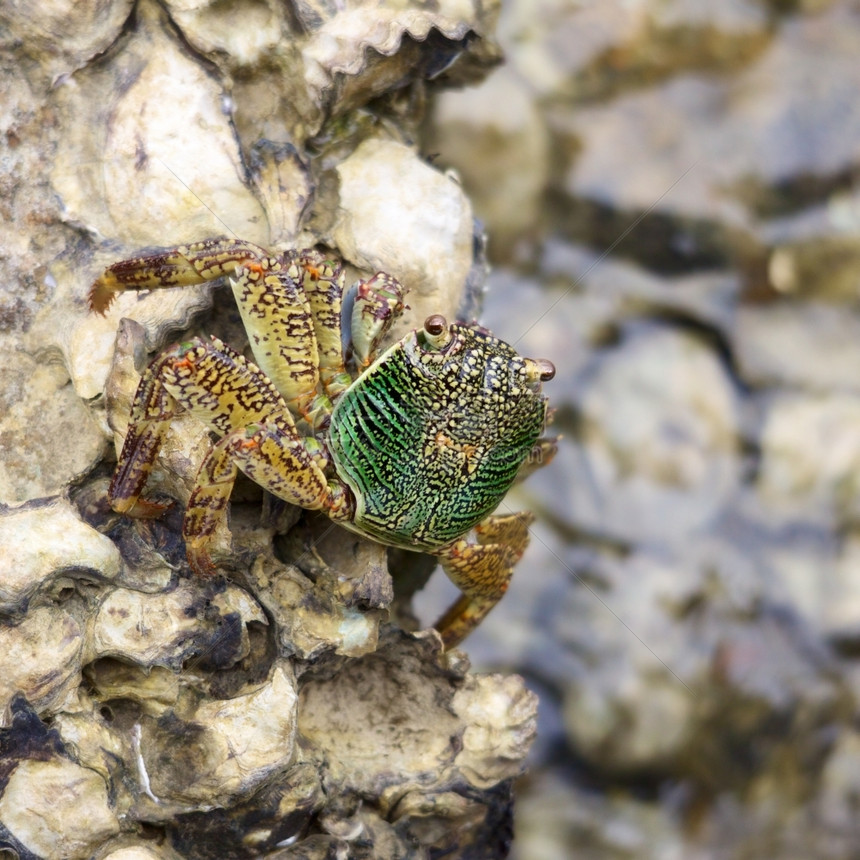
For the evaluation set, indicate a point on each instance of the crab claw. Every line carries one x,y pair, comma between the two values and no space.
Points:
378,303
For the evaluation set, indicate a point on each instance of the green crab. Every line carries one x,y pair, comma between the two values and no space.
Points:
416,451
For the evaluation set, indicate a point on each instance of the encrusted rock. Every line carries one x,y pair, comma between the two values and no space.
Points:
37,407
486,724
165,628
138,701
44,544
218,751
41,659
57,809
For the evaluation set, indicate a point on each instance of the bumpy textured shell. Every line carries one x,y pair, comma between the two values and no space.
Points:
430,440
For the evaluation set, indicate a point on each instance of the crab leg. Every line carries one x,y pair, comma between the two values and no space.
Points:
271,301
173,267
322,280
244,396
482,571
151,413
236,400
273,458
378,303
278,319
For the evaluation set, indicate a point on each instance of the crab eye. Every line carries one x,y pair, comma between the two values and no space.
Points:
547,369
435,324
538,370
436,333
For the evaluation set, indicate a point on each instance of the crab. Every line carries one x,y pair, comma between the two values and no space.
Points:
414,449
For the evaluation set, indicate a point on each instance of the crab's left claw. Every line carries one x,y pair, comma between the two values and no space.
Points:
482,572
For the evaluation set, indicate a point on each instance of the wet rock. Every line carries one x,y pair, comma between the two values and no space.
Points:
659,438
57,809
46,544
380,228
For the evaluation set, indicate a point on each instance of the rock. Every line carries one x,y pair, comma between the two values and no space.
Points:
219,751
166,628
37,407
204,713
168,107
57,809
61,36
40,658
487,724
558,818
493,136
45,543
397,214
666,672
651,145
810,457
808,344
659,439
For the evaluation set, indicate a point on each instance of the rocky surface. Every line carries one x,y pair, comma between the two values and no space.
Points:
146,713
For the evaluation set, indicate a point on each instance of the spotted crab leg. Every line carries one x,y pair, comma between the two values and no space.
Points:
239,403
482,571
273,458
272,303
182,266
322,281
277,316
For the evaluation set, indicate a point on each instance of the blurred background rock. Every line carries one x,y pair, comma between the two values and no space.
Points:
671,190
